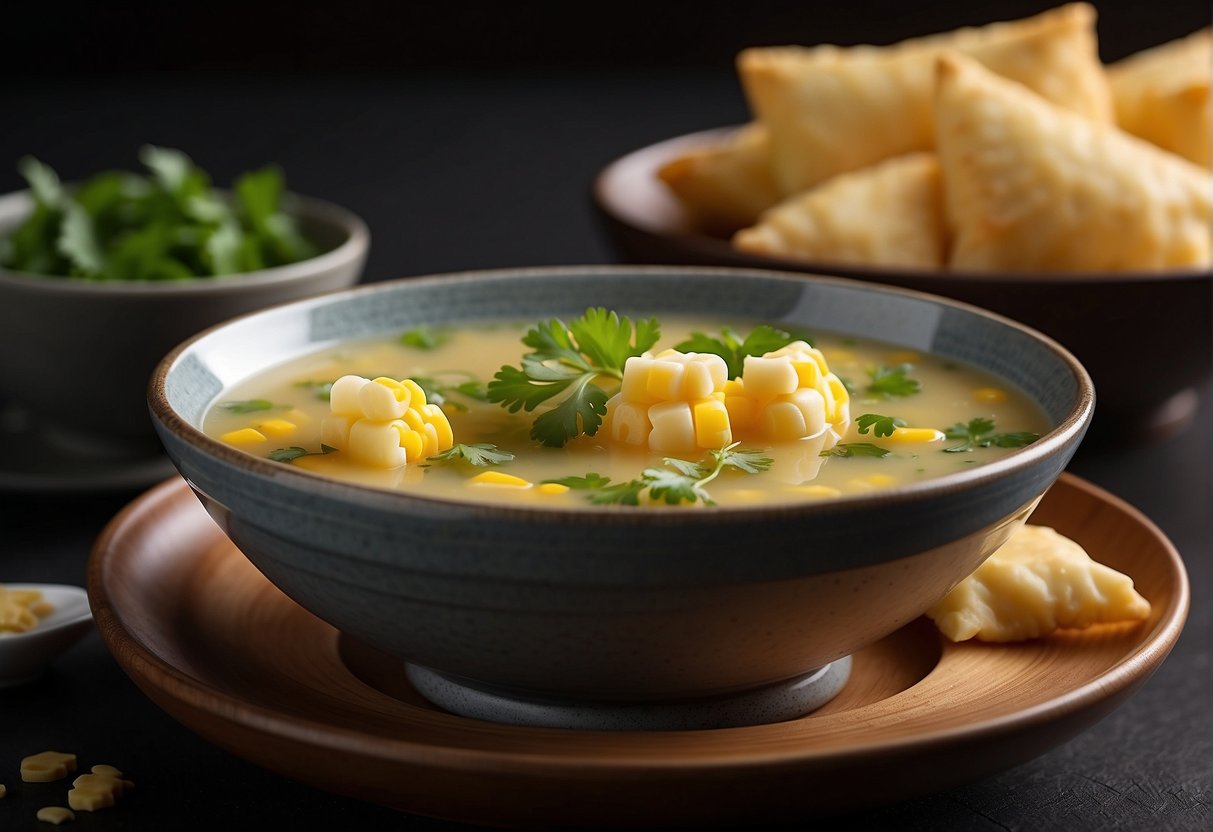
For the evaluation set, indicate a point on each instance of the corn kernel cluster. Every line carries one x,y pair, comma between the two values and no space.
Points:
384,423
676,402
20,609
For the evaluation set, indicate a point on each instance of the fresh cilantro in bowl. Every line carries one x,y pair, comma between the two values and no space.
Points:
168,224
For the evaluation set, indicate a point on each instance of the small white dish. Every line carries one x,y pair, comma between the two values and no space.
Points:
26,656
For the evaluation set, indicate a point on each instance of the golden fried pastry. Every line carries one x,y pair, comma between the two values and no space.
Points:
1030,186
725,186
1037,582
890,213
1162,94
832,109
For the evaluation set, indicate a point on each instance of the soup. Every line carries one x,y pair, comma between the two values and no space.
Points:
702,413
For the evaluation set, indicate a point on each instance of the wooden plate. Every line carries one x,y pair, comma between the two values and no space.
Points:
211,641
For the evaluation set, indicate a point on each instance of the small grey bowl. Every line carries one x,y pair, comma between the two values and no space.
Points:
614,605
80,353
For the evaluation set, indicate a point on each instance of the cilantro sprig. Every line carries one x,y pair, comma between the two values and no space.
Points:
892,381
571,359
734,349
480,455
167,224
879,425
294,452
853,449
681,481
979,433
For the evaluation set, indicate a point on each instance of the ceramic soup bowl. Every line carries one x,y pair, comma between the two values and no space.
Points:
617,616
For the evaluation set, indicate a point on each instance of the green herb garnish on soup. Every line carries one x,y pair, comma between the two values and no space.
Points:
655,427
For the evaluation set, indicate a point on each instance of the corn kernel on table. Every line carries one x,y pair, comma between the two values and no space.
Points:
492,169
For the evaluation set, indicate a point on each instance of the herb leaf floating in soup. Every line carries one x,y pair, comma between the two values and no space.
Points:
979,433
675,429
167,225
889,382
571,358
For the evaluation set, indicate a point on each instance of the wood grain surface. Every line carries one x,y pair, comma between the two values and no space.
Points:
218,647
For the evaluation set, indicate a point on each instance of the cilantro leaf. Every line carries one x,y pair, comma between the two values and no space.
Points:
889,382
480,454
320,389
570,359
879,425
979,433
850,449
425,338
294,452
169,224
248,406
680,481
761,340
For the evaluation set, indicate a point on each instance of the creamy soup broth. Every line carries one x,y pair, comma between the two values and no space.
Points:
292,394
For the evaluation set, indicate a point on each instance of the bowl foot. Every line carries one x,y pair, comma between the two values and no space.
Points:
781,701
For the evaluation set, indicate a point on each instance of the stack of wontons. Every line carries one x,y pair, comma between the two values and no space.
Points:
1006,147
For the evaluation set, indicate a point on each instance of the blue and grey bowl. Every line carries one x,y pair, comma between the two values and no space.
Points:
612,604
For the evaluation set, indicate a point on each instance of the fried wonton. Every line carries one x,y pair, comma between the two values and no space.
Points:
831,109
1162,94
1030,186
890,213
724,186
1037,582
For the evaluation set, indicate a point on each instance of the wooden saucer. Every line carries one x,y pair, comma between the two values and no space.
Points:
211,641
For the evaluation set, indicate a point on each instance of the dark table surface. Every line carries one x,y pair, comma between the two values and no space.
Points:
486,169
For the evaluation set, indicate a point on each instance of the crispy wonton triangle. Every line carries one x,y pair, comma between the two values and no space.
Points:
1037,582
831,109
1029,186
724,186
1163,95
890,213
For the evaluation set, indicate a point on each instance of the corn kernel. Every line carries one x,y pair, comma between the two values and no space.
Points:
768,376
989,395
413,418
783,420
697,381
881,480
411,441
383,400
816,491
665,380
277,428
911,435
812,405
673,427
343,396
416,394
335,431
808,373
712,428
442,426
499,478
635,385
55,814
630,423
376,444
429,435
552,488
244,436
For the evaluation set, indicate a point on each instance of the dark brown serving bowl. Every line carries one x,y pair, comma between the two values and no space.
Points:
1145,338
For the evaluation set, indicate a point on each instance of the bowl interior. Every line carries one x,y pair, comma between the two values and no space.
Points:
201,369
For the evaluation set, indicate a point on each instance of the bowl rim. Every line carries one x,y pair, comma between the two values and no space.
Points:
647,159
313,209
1067,434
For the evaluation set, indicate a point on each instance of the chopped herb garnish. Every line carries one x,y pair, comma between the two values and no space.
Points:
979,433
890,382
438,389
294,452
571,359
480,454
320,389
849,449
248,406
681,481
761,340
880,426
167,224
425,338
